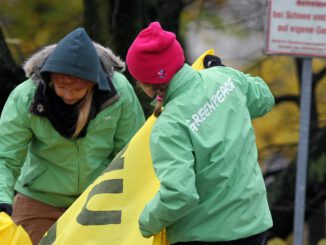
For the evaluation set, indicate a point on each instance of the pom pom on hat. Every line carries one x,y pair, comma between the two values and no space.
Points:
155,55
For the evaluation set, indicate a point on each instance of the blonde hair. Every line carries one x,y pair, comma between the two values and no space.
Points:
84,110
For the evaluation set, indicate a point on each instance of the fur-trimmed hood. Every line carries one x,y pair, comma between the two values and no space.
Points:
109,61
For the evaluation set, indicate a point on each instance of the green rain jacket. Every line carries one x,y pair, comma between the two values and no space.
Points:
205,156
49,167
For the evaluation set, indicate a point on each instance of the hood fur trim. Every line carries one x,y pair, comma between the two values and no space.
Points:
109,61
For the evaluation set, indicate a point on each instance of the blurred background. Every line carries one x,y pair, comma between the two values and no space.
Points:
236,30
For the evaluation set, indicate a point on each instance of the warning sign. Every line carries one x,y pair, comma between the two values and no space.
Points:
297,27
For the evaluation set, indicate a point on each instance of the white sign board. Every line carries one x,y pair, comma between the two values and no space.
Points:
297,27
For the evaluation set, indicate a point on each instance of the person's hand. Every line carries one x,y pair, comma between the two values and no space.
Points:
5,207
212,60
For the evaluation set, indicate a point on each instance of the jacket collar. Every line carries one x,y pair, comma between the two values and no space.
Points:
180,82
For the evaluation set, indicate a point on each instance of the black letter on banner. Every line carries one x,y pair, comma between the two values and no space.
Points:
89,217
50,236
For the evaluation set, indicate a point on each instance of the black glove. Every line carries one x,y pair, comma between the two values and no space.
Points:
5,207
212,60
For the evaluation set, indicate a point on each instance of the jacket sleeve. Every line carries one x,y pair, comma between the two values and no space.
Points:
260,100
15,135
173,162
131,119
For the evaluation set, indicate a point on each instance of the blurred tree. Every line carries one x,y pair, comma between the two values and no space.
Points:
116,23
31,24
10,73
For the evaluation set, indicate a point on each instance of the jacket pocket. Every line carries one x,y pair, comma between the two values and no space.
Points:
31,174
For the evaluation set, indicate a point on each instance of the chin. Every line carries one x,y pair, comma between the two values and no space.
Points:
70,102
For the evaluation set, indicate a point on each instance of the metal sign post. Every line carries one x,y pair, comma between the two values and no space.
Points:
303,152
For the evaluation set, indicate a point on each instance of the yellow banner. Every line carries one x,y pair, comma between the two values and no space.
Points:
107,212
12,234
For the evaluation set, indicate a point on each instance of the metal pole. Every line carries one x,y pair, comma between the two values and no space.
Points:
303,150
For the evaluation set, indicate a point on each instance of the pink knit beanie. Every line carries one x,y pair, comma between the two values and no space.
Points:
155,55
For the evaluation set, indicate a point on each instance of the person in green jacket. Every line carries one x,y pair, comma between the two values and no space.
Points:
61,128
202,145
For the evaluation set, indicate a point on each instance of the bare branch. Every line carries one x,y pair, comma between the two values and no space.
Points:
317,77
288,98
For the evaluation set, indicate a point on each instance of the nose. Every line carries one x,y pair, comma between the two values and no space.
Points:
68,95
